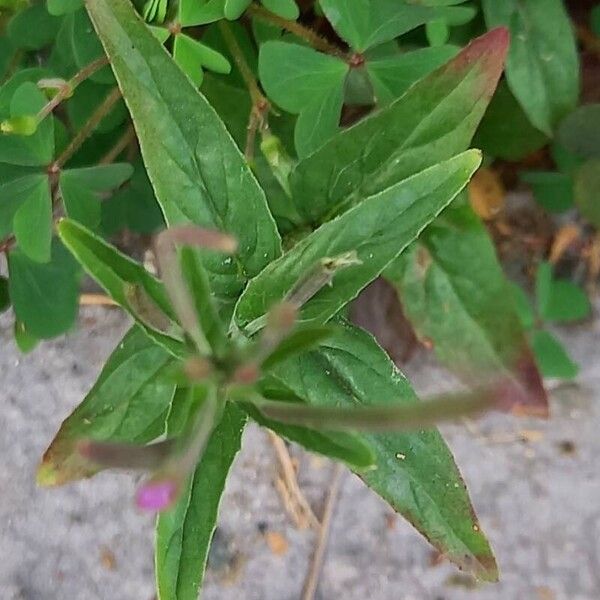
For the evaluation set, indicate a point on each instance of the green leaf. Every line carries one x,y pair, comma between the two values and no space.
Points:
87,98
298,341
63,7
24,340
198,173
32,223
233,105
200,12
579,133
565,161
191,55
80,203
126,281
367,23
559,300
319,121
33,28
184,533
377,230
305,82
101,178
392,75
13,192
86,46
128,403
286,9
522,305
553,191
294,75
455,294
433,121
505,131
552,357
80,186
162,34
587,183
44,295
31,150
543,62
133,207
206,308
415,471
349,448
234,9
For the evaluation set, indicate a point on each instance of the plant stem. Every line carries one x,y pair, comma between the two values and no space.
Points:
307,34
87,129
260,104
66,90
121,144
316,565
239,59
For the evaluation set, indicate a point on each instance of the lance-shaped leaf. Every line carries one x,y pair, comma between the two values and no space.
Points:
198,173
543,63
128,403
126,281
184,533
433,121
415,471
455,295
375,232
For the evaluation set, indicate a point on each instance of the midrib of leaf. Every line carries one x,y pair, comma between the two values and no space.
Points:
387,449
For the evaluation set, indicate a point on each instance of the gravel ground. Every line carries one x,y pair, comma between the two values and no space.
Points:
535,485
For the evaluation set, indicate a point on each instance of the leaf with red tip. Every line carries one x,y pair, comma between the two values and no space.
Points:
455,295
128,403
415,471
433,121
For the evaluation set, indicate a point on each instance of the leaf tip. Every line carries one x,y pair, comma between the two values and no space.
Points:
46,475
489,51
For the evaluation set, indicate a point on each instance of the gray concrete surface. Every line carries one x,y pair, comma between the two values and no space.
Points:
539,500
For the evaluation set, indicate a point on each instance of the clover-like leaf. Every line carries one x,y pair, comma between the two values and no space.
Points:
44,295
306,82
543,63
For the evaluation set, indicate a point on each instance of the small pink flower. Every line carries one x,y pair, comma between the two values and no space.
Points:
156,495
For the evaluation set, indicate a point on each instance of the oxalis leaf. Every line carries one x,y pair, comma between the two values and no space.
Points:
128,403
375,231
456,296
543,63
198,174
433,121
184,533
415,472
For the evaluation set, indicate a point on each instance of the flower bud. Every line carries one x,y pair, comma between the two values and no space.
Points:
25,125
156,496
